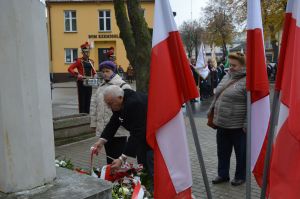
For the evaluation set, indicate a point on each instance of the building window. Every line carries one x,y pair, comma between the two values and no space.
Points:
104,20
71,54
70,21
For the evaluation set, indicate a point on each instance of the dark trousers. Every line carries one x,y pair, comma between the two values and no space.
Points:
84,97
226,140
145,156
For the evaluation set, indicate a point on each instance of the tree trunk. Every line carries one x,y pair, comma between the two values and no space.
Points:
143,44
196,48
224,47
125,30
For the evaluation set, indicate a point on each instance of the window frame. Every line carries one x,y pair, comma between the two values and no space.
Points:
104,20
71,53
70,19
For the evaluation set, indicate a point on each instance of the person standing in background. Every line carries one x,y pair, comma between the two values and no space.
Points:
130,73
221,72
195,75
121,71
84,69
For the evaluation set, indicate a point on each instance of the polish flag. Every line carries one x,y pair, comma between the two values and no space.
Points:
106,173
258,85
201,68
285,164
171,85
138,192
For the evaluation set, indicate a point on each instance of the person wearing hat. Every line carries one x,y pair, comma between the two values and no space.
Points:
110,55
84,68
99,112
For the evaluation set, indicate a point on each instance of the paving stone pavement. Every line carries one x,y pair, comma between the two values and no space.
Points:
79,154
66,102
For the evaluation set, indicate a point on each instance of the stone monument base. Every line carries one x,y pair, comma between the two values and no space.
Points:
68,184
72,128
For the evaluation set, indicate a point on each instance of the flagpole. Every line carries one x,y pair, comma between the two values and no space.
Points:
248,155
198,149
273,118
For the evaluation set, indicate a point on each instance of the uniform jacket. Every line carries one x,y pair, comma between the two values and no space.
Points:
230,109
80,69
132,117
99,111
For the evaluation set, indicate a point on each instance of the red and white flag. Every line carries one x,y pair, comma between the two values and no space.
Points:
106,173
201,68
138,191
285,164
171,85
258,85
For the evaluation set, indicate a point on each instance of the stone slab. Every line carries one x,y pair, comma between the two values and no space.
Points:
63,141
72,131
71,120
68,184
72,128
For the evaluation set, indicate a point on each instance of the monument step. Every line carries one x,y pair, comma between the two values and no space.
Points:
68,184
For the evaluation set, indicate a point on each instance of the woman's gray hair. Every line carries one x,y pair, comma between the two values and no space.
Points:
113,91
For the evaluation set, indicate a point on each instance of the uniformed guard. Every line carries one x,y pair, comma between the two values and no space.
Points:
84,69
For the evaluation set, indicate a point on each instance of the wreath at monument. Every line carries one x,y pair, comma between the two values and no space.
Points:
131,181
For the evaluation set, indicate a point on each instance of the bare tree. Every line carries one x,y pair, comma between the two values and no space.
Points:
192,34
219,24
272,17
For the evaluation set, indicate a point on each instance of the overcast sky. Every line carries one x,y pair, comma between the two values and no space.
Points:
183,9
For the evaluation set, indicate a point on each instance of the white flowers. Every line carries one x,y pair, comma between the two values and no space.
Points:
61,163
57,163
124,190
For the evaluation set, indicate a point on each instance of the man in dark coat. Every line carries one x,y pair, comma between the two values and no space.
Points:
130,111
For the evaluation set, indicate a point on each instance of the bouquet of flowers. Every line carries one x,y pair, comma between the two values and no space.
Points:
64,163
127,181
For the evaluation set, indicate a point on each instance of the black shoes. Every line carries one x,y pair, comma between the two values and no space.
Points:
237,182
234,182
219,180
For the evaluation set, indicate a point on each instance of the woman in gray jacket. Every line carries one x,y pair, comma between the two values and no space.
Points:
230,117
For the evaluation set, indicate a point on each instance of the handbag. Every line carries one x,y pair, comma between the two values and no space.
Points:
210,119
210,116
